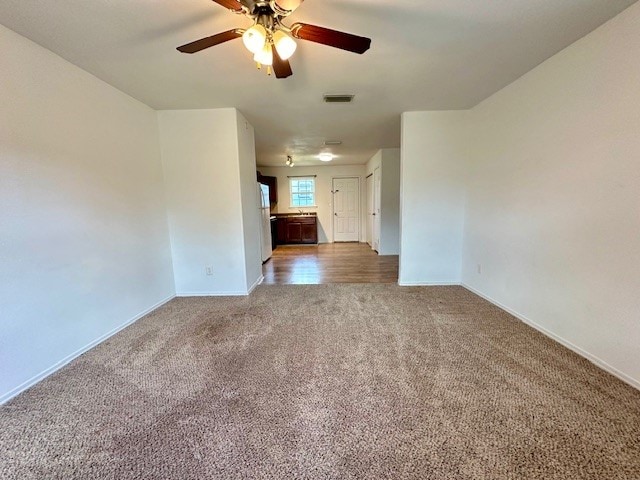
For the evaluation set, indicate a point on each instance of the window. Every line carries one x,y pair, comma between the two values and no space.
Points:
303,191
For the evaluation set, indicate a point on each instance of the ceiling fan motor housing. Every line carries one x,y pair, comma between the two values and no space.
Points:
259,8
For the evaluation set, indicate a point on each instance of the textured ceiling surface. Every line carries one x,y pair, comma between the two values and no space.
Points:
425,55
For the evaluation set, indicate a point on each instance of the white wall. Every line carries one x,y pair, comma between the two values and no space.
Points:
206,186
432,197
251,214
388,160
390,226
551,177
84,245
553,209
324,200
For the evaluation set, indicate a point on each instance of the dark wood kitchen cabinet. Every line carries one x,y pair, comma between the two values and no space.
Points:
281,230
272,183
294,232
297,230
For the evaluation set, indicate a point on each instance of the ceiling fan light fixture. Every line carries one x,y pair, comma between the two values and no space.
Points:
270,40
326,157
285,45
255,38
265,56
286,6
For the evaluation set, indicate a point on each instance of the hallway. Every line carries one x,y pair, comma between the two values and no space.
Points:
329,263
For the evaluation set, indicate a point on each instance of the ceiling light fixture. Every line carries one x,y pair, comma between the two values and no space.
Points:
255,38
266,37
270,40
285,45
289,161
326,157
264,56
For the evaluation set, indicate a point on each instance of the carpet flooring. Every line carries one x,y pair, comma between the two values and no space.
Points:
325,382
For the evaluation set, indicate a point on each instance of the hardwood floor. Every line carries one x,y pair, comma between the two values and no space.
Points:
329,263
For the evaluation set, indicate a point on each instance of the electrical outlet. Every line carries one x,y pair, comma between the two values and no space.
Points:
479,269
209,270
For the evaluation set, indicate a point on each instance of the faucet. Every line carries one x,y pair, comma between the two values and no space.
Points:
301,212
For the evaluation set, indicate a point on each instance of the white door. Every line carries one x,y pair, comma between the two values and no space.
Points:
377,193
346,209
370,210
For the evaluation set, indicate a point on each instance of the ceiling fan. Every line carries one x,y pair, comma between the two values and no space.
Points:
270,40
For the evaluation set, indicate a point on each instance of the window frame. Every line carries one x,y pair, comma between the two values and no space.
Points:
312,178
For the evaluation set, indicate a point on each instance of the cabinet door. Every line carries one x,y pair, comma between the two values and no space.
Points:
294,232
273,189
309,233
272,183
282,231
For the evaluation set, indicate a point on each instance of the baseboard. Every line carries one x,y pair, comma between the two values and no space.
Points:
428,284
583,353
255,284
222,294
58,365
210,294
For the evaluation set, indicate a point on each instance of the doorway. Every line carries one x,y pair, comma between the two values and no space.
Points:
346,209
370,213
341,210
374,219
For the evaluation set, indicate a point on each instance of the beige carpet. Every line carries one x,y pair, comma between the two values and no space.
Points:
326,382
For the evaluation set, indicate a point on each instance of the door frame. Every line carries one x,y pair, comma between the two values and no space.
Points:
377,209
333,210
369,187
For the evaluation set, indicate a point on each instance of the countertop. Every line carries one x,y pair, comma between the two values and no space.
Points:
310,214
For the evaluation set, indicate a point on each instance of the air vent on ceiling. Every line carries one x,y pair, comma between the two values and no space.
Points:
331,143
338,98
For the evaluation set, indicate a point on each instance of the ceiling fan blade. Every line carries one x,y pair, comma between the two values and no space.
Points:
333,38
207,42
282,68
233,5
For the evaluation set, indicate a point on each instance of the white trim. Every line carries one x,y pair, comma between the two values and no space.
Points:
315,198
211,294
429,284
255,284
583,353
222,294
369,218
69,358
377,218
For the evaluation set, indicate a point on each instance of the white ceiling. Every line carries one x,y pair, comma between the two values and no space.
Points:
425,55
